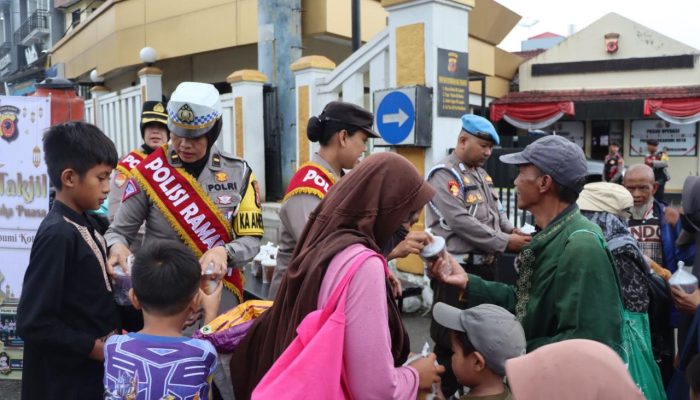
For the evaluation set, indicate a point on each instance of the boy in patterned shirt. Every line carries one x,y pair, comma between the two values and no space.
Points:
158,362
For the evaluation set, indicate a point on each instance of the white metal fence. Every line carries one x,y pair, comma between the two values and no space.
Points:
118,115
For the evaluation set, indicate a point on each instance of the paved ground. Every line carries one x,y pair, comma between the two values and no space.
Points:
418,327
9,390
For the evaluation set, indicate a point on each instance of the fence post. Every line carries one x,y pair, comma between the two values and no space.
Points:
151,84
248,120
97,91
307,72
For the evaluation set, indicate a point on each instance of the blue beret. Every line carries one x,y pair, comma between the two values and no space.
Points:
480,127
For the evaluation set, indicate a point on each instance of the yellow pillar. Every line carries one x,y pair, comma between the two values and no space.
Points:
307,71
410,70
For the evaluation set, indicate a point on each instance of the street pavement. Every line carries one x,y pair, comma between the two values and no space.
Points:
417,325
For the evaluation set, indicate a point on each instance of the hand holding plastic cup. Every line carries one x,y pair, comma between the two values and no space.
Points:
208,282
433,250
122,282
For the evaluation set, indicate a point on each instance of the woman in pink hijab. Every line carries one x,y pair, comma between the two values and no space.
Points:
575,369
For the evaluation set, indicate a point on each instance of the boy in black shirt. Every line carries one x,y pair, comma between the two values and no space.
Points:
67,309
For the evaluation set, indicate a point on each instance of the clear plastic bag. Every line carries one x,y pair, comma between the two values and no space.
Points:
684,279
122,282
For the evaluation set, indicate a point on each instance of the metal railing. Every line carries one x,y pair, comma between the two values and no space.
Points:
38,20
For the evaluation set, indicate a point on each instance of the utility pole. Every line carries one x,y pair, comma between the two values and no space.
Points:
356,27
279,45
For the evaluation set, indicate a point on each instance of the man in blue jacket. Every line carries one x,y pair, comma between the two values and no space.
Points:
652,223
656,227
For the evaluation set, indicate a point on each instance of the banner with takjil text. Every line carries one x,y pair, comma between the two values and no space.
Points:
24,202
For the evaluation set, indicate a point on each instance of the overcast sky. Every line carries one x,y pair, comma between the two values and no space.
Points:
678,19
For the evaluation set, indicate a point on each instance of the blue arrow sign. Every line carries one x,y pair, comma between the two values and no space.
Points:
396,116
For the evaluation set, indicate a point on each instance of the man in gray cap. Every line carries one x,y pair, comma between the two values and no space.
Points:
567,286
467,213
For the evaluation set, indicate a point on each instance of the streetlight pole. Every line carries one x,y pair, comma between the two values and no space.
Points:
356,28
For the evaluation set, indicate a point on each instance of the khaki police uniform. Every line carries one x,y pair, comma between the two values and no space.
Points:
293,217
228,181
116,190
114,201
152,112
467,213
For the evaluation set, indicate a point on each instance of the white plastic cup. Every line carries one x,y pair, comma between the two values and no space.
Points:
207,283
268,267
433,250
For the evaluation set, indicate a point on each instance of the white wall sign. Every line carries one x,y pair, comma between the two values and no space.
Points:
24,202
680,140
572,130
24,184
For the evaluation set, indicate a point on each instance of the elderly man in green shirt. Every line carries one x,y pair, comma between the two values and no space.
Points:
567,286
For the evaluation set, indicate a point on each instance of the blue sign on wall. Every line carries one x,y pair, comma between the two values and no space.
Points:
396,116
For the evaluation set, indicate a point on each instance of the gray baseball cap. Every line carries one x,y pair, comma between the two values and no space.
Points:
494,332
557,157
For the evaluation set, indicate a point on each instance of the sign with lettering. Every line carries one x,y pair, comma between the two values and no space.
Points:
572,130
24,202
452,83
678,140
31,54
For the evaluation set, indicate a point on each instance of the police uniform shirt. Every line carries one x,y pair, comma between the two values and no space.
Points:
476,220
293,216
114,201
227,181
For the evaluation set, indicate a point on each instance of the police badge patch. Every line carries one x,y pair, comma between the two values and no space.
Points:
120,179
131,189
8,122
453,187
224,200
221,177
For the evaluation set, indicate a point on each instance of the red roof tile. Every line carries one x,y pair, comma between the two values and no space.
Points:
545,35
598,96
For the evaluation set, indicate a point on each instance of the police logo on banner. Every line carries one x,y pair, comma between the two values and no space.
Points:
130,189
8,122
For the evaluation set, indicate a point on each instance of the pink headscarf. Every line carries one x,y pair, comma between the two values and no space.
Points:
575,369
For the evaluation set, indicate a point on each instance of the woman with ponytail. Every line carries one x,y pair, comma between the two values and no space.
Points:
342,130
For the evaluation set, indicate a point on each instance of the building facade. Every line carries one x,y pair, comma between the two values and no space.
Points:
613,82
28,30
208,39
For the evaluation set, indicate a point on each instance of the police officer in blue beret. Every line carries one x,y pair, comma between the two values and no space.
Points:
467,213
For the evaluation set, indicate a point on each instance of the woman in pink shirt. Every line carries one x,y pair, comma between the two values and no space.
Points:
363,211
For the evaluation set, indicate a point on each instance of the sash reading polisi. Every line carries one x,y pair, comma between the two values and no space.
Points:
188,209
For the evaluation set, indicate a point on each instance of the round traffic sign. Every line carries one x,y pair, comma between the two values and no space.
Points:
396,116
